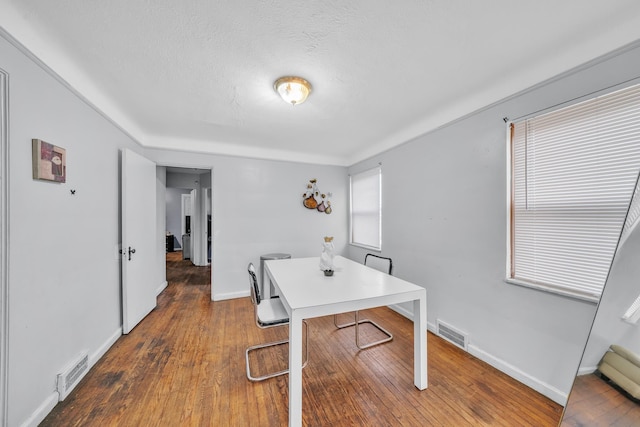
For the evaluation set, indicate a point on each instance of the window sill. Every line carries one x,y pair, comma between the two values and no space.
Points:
370,248
592,299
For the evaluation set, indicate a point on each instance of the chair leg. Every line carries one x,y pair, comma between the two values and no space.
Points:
341,325
359,322
273,344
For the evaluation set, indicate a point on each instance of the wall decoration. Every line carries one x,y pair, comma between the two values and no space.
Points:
313,198
49,161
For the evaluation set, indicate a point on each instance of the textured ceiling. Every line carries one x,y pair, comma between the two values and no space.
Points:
198,74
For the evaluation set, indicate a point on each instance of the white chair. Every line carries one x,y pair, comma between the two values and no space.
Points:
385,265
269,313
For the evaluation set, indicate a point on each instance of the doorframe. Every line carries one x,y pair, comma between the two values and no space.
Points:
211,206
185,200
4,245
196,216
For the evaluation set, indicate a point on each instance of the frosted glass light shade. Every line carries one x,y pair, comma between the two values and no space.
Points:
293,90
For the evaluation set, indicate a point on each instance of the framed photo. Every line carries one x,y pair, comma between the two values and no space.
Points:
49,161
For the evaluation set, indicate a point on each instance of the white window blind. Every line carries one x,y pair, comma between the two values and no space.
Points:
573,173
633,216
366,208
632,315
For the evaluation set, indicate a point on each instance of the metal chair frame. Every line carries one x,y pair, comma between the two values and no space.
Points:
357,321
280,320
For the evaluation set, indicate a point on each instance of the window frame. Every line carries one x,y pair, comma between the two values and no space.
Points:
371,172
511,214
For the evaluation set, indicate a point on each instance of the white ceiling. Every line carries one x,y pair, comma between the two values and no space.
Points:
198,74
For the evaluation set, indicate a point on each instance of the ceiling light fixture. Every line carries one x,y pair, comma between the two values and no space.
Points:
293,90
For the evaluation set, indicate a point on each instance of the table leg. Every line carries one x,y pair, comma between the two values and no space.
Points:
420,342
266,284
295,370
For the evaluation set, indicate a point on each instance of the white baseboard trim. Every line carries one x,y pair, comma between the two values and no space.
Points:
547,390
52,400
409,315
541,387
162,287
230,295
97,355
39,415
587,370
399,309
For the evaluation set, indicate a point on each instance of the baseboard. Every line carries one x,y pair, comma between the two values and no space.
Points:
401,310
541,387
52,400
162,287
230,295
547,390
587,370
409,315
39,415
97,355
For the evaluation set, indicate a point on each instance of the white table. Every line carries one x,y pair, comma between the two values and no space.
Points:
306,293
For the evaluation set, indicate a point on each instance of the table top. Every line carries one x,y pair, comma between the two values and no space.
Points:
303,285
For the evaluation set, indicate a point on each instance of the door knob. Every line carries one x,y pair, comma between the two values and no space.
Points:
131,251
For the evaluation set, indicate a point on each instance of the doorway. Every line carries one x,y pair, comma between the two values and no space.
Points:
188,215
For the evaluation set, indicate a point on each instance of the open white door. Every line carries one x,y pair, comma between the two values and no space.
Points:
138,238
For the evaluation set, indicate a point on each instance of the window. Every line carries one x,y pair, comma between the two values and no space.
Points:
572,175
366,208
632,315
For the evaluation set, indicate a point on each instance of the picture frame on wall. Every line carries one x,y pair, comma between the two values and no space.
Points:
49,161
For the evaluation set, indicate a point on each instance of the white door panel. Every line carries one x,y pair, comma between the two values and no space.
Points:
138,238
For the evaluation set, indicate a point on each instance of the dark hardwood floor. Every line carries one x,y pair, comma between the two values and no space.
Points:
594,402
184,365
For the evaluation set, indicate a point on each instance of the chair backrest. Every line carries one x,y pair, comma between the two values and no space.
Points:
378,262
253,284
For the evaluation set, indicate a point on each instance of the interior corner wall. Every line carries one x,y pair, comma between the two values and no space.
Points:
257,209
184,180
64,267
444,224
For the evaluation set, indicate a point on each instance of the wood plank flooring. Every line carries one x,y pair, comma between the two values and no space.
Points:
594,402
184,365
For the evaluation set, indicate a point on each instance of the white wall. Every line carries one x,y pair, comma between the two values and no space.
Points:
444,225
257,209
187,180
64,288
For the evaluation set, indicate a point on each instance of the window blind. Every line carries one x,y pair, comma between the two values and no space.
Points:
366,208
573,173
633,313
633,215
